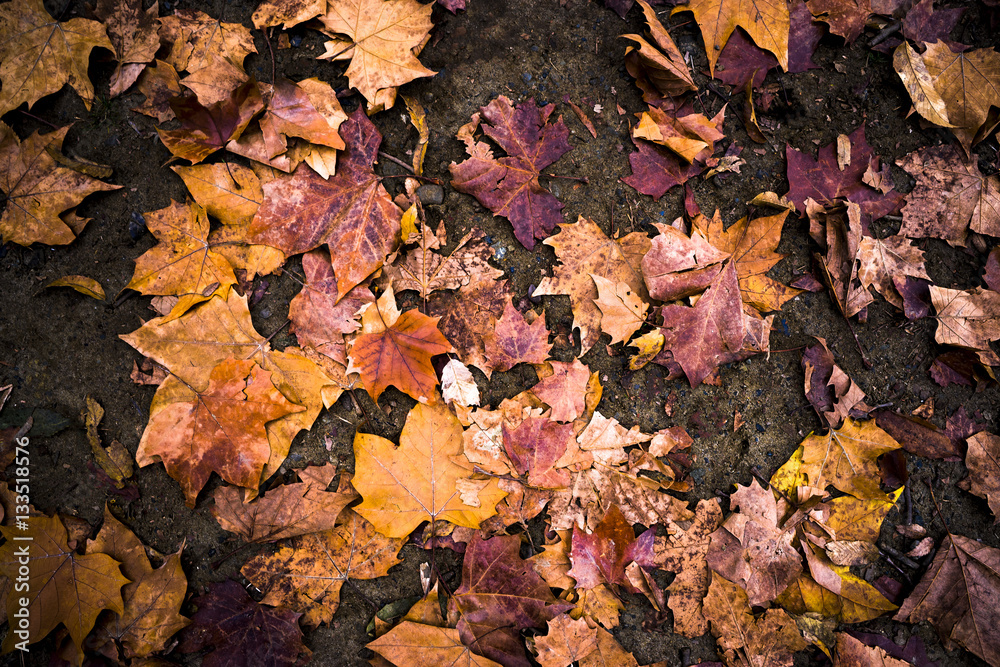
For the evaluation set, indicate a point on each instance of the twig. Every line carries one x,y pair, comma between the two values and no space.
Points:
887,32
396,160
579,179
908,499
903,558
268,40
40,120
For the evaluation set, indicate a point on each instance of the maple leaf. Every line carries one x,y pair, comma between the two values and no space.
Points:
691,136
426,271
969,319
286,13
766,21
509,186
385,37
182,263
751,549
62,586
584,250
663,63
829,389
296,110
152,601
910,67
307,572
845,458
513,341
950,195
982,461
220,429
38,190
207,128
209,50
850,651
135,36
412,643
846,19
534,447
350,212
567,641
500,595
243,632
656,169
957,595
564,390
468,317
745,640
839,231
823,181
404,485
283,512
600,557
622,311
678,265
319,319
684,552
396,349
39,55
159,84
881,262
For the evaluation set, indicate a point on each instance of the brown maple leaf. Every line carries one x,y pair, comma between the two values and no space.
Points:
384,40
583,250
513,341
207,128
600,557
307,572
828,388
690,136
509,186
286,13
567,641
412,643
427,271
297,110
351,212
152,599
135,36
882,263
40,194
663,64
62,586
418,480
159,84
766,21
623,312
678,265
983,462
468,317
969,319
218,430
957,595
395,349
39,54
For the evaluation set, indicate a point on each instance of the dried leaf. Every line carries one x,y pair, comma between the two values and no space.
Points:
983,461
565,390
205,128
919,83
845,458
82,284
413,643
663,63
766,21
513,341
566,642
458,385
969,319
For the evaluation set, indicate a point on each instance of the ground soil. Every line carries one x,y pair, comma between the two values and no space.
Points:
57,346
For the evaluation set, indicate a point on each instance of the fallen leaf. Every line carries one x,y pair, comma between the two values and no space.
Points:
220,429
350,212
398,352
509,185
656,169
307,572
134,33
63,586
468,317
384,40
153,598
741,61
241,631
500,595
584,250
600,557
690,136
159,84
969,319
38,190
831,392
567,641
513,341
534,447
294,110
769,640
845,458
39,55
404,485
286,511
286,13
852,653
678,265
82,284
766,22
918,436
957,595
950,195
458,385
564,391
881,261
426,271
622,311
662,63
608,652
919,83
115,460
208,128
983,462
414,643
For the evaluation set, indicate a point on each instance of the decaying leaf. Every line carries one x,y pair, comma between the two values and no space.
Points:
81,284
564,390
206,128
663,64
969,319
412,643
845,458
766,21
458,385
983,461
513,341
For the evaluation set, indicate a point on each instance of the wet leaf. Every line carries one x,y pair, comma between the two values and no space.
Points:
208,128
412,643
845,458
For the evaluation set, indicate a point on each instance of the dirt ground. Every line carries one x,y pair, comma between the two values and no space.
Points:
57,346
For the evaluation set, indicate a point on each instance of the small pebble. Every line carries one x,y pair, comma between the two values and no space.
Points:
136,226
430,194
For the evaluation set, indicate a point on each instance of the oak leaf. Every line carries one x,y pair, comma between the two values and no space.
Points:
396,350
767,23
768,640
412,643
683,551
564,390
950,195
307,572
509,185
39,192
243,632
957,595
969,319
220,429
983,462
39,55
584,250
153,598
62,586
404,485
205,128
500,595
385,38
663,63
845,458
350,212
209,50
751,549
622,310
513,341
319,319
134,33
285,511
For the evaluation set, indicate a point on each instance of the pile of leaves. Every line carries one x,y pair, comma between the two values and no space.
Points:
387,303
